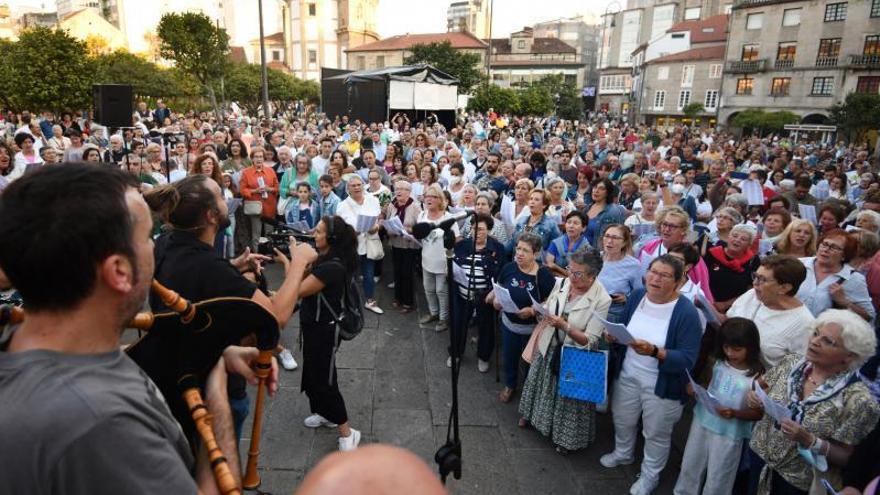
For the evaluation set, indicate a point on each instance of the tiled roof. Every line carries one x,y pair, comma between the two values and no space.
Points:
711,29
404,41
272,38
236,54
704,53
501,46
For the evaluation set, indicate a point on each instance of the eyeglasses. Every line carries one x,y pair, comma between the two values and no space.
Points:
661,275
759,280
830,246
670,226
577,275
823,340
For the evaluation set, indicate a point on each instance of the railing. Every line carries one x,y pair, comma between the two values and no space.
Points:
826,62
750,3
745,66
784,64
865,61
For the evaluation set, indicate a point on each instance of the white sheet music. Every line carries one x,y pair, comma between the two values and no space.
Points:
459,275
538,307
808,212
708,401
774,409
502,295
507,212
753,191
617,330
365,223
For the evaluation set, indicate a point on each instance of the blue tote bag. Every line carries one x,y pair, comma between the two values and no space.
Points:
583,375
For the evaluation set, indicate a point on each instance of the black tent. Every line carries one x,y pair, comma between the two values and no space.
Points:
377,95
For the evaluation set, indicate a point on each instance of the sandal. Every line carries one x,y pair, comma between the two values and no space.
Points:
522,423
505,395
405,309
395,305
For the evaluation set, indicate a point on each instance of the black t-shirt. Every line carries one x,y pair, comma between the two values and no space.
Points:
726,283
193,269
332,274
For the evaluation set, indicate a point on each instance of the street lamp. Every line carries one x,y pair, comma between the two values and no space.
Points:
602,45
264,76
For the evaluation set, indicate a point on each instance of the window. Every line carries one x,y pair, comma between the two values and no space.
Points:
684,97
631,25
715,71
829,48
313,56
361,62
780,86
749,53
663,18
691,13
380,62
868,84
791,17
744,86
822,86
618,83
521,44
755,21
313,10
276,55
659,99
872,45
875,8
786,51
711,101
835,12
687,76
662,73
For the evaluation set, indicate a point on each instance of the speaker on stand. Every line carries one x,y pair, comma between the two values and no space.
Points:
113,104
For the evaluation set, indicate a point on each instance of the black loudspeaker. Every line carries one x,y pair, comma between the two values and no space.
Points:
113,104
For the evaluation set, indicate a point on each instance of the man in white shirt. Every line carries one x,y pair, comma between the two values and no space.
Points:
322,161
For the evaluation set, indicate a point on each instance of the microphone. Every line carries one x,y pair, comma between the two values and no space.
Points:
423,229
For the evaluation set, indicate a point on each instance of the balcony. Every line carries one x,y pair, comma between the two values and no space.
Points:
784,64
826,62
746,66
740,4
864,61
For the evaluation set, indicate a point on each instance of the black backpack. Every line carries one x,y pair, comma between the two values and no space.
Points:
350,321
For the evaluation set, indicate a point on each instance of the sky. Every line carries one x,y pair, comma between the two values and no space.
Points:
396,16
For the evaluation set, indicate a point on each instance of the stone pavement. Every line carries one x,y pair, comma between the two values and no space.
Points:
397,391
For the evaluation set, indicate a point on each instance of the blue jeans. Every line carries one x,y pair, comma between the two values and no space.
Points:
512,347
240,409
367,266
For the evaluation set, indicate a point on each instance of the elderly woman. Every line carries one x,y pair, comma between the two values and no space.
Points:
537,221
356,204
301,172
774,223
434,258
259,183
58,140
404,250
629,191
831,281
556,258
483,205
480,258
652,381
559,206
603,211
621,272
725,219
798,239
731,266
771,303
868,220
831,409
526,280
575,303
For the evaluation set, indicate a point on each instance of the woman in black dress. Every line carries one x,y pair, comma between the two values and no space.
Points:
330,274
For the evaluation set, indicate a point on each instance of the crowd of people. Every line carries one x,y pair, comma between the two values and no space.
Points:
745,268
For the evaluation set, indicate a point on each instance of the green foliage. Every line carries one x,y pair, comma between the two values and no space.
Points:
462,65
488,95
757,119
147,79
45,69
535,100
242,83
195,44
859,113
569,104
549,95
692,110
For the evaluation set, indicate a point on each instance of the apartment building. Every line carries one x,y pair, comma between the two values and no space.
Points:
393,51
472,16
581,33
524,58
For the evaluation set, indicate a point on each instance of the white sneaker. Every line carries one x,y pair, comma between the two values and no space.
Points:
642,486
374,307
317,421
483,366
449,362
612,460
287,361
391,285
350,442
376,279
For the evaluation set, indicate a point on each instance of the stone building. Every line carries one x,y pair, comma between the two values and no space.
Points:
523,58
392,51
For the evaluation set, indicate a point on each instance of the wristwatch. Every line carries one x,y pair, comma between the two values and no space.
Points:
655,351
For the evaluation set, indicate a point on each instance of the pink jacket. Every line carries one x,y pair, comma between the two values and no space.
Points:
699,274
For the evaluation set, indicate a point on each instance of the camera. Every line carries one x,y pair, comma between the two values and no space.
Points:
280,240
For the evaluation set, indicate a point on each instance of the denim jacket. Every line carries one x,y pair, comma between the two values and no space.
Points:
327,206
546,228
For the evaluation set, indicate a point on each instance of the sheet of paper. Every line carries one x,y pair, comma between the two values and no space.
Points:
774,409
708,401
704,306
299,226
764,247
538,307
807,212
459,275
617,330
820,191
643,229
830,489
502,295
753,191
365,223
853,178
394,226
418,189
233,204
507,210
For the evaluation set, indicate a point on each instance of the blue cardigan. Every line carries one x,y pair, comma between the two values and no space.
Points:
682,346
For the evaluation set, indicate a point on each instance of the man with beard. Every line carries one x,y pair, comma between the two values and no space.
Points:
490,176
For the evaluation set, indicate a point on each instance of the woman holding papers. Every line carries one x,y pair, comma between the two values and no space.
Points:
731,266
404,250
522,281
573,306
621,272
361,211
479,261
556,258
816,409
666,336
434,259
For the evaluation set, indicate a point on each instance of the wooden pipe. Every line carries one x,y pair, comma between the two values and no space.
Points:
263,369
202,418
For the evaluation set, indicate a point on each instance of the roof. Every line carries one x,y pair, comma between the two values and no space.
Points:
501,46
237,54
458,39
704,53
272,38
76,13
410,73
707,30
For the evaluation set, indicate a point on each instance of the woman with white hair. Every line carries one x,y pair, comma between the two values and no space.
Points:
731,266
830,409
868,220
725,219
360,203
58,140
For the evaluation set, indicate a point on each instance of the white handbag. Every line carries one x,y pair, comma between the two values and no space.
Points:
253,208
375,251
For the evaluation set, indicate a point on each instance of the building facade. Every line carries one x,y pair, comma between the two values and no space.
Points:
472,16
524,58
393,51
800,56
582,35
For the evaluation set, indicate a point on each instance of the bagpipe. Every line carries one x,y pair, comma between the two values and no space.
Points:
179,350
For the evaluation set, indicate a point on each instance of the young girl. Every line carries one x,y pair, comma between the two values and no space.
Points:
303,208
716,437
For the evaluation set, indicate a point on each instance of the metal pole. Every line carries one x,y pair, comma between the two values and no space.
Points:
489,54
263,71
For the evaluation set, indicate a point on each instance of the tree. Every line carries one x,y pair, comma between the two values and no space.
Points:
568,102
242,84
196,46
146,78
45,69
763,122
461,65
859,113
536,100
691,110
488,95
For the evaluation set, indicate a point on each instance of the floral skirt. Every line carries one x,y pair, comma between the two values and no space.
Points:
570,424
